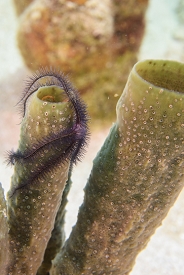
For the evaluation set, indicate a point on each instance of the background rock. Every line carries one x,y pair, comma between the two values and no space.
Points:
95,41
66,33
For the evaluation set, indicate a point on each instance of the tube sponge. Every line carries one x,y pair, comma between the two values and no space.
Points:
53,134
4,244
136,176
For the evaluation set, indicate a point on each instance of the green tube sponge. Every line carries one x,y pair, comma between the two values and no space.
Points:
53,132
136,176
4,247
58,235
